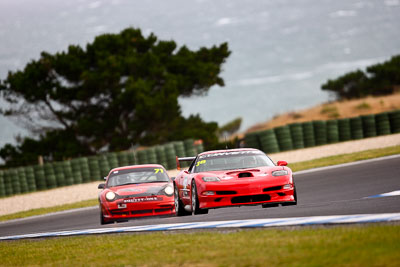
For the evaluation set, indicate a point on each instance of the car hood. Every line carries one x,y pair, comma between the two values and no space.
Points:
244,173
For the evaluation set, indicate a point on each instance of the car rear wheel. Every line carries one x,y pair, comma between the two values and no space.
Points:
195,201
179,208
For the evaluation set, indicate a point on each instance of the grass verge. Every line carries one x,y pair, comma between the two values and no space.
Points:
344,158
357,245
41,211
298,166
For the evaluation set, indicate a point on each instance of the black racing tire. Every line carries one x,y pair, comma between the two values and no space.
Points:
179,208
195,201
102,220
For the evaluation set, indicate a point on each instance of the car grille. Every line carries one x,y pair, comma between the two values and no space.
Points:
226,192
250,199
274,188
141,212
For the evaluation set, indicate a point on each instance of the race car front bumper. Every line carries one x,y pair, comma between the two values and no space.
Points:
123,209
215,195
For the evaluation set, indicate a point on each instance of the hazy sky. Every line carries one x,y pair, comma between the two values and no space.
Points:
282,50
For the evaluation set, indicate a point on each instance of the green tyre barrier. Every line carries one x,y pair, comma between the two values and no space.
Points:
22,180
308,134
59,172
40,177
320,133
50,176
369,127
199,147
268,141
8,188
296,133
283,137
251,140
85,171
142,156
112,160
179,148
190,149
394,118
76,171
171,156
104,166
180,152
356,128
2,186
67,170
132,158
332,130
161,156
151,155
382,124
30,178
95,173
16,186
344,130
123,159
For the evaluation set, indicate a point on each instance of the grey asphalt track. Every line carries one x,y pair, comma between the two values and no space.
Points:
342,190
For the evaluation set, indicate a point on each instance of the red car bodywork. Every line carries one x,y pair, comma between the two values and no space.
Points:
136,200
236,187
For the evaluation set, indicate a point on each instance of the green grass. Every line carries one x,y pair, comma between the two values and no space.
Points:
334,160
363,106
331,111
345,158
372,245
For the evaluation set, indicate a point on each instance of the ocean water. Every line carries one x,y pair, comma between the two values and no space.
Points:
282,50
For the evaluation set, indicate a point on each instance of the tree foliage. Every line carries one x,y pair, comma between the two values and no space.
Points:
230,128
379,79
122,89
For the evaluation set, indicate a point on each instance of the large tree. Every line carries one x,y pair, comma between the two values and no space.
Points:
122,89
378,79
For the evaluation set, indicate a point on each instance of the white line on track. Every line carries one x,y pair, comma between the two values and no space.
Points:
390,194
298,221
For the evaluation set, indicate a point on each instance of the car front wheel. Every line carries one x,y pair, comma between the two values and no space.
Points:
179,208
102,220
195,201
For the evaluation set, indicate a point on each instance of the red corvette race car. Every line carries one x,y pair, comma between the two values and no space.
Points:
136,191
233,177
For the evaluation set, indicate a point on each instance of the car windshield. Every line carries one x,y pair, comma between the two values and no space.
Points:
231,161
137,176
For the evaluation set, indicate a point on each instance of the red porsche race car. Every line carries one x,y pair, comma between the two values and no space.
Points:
233,177
136,191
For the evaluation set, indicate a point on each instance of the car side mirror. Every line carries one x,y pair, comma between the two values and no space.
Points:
101,186
186,171
281,163
173,178
105,178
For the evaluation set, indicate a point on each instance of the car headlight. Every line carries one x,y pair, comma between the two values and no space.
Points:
280,173
169,190
211,179
110,196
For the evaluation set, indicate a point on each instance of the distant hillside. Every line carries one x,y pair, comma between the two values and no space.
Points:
334,110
